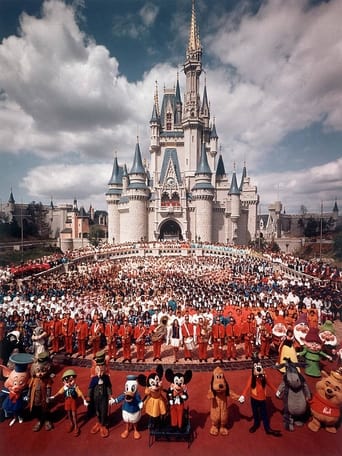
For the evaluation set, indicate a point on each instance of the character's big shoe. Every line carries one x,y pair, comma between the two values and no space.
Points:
253,429
136,435
48,425
224,431
273,432
214,430
37,427
95,428
124,434
104,431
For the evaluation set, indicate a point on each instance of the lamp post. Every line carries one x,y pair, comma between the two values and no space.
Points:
321,232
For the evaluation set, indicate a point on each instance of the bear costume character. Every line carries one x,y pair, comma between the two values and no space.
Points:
218,395
131,407
326,403
177,394
40,391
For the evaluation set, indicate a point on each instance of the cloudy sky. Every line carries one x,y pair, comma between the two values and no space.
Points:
77,82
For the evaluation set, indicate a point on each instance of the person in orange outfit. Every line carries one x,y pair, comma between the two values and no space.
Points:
54,332
67,331
265,331
111,333
82,333
203,332
96,331
249,331
232,334
218,336
126,334
139,335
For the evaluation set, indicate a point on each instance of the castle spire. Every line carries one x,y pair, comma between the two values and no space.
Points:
194,44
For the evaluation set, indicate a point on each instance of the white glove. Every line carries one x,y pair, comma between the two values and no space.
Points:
278,394
111,401
51,398
171,401
241,399
85,403
141,405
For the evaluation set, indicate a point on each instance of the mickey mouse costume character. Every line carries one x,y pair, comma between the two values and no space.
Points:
131,407
256,385
154,401
177,394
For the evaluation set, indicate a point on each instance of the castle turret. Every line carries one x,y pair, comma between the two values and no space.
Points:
135,228
113,195
234,194
202,196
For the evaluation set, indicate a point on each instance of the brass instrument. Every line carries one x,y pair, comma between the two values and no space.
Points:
141,335
160,331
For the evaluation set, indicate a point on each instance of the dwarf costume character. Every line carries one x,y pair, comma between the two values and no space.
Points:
312,353
99,395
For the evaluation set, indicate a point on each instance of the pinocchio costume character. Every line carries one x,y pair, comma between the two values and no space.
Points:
99,395
71,392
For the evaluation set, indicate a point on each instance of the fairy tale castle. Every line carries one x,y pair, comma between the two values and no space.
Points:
184,193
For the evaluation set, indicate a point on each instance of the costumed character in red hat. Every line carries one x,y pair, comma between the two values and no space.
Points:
312,353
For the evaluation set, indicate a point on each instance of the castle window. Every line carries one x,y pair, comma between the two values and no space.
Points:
168,121
165,199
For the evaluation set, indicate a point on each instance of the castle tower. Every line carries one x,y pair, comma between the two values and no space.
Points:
135,226
203,195
113,197
234,193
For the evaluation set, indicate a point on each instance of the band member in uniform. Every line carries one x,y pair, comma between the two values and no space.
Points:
218,335
82,333
67,330
232,333
126,334
158,334
95,332
189,337
249,331
111,333
54,333
176,338
203,332
139,336
265,332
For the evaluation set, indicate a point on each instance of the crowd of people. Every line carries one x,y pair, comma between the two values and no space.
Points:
191,307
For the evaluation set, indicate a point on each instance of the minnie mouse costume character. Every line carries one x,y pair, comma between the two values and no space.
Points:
154,401
177,394
256,385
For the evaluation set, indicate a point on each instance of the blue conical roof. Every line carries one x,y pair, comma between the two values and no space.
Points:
234,189
220,171
116,178
137,167
244,175
154,116
203,166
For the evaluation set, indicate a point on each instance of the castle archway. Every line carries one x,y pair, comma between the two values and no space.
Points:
170,231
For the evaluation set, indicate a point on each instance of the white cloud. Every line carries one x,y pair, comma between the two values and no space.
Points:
148,14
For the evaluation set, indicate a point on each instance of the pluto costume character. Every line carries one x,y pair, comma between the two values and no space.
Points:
218,395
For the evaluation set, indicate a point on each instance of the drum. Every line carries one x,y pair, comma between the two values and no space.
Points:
189,343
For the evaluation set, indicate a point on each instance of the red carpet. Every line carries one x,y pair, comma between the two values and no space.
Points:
19,440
